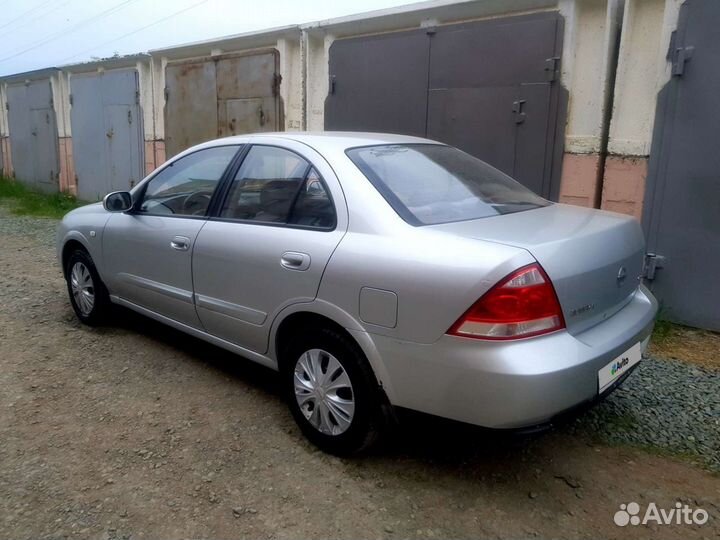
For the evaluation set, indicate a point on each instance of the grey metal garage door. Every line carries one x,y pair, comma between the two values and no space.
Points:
217,97
488,87
107,132
33,134
682,204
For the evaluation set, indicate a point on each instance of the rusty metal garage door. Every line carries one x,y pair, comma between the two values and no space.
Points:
33,134
107,132
487,87
217,97
682,203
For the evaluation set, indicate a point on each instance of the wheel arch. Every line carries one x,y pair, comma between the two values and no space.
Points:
70,245
323,314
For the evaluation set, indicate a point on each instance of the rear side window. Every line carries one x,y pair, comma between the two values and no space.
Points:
428,184
274,185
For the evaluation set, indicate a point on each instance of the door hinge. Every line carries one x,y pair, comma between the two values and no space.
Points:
680,57
137,97
653,262
552,68
129,116
277,79
167,93
7,105
519,111
71,99
332,84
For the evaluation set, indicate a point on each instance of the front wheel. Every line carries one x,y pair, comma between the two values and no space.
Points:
332,392
88,295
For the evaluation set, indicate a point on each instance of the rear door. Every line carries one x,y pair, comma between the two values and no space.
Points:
148,251
268,245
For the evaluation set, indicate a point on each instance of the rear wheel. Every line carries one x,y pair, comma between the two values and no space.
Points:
332,392
88,295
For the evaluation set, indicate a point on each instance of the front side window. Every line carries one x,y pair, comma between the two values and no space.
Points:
274,185
186,186
428,184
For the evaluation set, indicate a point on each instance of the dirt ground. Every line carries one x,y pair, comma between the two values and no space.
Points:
135,430
687,344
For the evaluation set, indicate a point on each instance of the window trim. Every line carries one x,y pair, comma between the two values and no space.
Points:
228,181
135,209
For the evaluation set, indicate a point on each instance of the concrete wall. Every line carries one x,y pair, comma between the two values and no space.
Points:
642,71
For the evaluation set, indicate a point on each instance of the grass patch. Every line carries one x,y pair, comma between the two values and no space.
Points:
24,201
663,330
694,345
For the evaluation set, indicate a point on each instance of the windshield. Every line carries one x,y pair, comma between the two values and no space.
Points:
428,184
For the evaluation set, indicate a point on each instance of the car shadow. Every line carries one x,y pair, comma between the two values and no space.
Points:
415,436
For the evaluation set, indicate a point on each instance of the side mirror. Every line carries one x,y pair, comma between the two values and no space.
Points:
118,201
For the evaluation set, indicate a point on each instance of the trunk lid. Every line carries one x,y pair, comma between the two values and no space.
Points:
594,258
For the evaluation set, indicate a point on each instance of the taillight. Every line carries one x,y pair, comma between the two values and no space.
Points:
523,304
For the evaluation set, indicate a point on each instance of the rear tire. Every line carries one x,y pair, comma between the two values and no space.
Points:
88,294
332,392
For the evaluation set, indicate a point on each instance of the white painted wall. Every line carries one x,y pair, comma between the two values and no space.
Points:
59,82
591,29
4,130
642,71
291,85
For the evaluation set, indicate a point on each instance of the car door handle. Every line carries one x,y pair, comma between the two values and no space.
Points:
292,260
181,243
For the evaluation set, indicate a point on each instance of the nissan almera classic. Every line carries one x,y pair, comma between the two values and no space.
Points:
373,272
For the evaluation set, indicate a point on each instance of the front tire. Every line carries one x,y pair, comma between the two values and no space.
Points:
88,295
332,392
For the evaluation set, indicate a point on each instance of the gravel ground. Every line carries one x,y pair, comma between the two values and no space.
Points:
665,405
135,430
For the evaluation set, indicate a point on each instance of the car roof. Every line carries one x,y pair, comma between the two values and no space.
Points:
334,140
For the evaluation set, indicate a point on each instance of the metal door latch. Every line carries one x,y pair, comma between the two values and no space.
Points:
520,114
653,263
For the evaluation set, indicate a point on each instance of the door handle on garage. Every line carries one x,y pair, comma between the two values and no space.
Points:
181,243
293,260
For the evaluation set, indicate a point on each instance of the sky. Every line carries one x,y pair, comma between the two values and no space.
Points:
37,34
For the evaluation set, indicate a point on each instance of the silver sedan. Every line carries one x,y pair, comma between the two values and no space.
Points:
374,272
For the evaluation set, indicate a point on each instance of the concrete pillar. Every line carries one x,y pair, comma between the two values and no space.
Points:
642,71
61,103
317,46
151,83
588,64
6,168
291,85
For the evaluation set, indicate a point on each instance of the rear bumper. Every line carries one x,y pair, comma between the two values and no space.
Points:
511,384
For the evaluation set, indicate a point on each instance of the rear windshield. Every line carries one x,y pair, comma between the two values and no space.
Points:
428,184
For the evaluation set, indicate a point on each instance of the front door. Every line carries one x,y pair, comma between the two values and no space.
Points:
148,251
269,245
